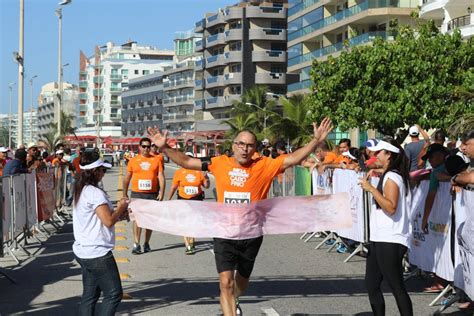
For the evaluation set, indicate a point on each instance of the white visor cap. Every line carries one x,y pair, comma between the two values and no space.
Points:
385,146
96,164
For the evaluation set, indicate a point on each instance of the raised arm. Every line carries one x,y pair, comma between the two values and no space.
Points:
159,139
319,135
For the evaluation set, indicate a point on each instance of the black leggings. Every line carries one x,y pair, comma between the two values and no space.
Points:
384,261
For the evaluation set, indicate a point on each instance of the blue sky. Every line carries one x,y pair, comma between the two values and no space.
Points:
86,23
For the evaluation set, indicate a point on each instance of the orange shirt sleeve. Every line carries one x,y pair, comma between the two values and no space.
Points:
330,158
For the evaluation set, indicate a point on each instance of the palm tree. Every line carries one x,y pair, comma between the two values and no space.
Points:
51,139
294,124
241,122
66,124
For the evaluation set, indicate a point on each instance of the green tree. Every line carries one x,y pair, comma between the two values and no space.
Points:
294,124
52,138
422,77
4,136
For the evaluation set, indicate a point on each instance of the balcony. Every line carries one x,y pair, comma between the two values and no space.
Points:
230,99
270,56
115,77
299,86
199,65
233,78
331,49
349,12
200,45
98,79
301,6
432,9
270,78
233,35
198,104
178,117
215,19
115,103
462,23
83,73
266,12
98,118
267,34
199,26
98,92
83,96
82,84
233,13
198,84
233,57
178,84
178,100
216,39
214,61
115,90
217,81
83,108
115,116
214,102
96,105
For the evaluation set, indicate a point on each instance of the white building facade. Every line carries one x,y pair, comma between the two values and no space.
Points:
450,15
105,75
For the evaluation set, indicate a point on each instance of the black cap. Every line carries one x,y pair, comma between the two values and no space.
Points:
434,148
455,164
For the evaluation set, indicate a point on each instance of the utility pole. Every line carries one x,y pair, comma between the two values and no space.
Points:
20,60
31,108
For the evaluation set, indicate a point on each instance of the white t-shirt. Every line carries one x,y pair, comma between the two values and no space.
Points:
392,228
92,238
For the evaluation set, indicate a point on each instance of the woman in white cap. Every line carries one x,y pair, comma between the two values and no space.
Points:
94,233
389,227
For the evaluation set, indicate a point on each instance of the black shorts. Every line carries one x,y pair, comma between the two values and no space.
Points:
145,196
199,197
237,255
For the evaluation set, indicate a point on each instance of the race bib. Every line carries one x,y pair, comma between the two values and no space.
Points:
189,190
236,197
144,185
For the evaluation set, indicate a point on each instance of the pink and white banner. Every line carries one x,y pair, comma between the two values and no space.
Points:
284,215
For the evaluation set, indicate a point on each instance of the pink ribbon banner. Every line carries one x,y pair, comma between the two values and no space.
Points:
284,215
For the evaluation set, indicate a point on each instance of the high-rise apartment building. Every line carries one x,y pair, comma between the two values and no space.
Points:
178,85
142,105
450,15
243,45
317,29
47,107
105,75
30,128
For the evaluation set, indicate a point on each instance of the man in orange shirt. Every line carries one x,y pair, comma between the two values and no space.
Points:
189,184
240,179
146,174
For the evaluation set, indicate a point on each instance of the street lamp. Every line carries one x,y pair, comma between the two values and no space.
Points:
10,89
31,107
20,58
59,14
264,112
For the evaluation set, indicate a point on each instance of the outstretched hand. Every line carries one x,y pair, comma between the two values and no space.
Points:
157,137
322,131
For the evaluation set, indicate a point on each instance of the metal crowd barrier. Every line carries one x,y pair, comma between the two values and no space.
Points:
29,202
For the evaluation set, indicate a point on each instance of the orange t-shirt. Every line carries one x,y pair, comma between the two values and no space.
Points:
189,182
161,158
238,184
332,158
144,173
55,162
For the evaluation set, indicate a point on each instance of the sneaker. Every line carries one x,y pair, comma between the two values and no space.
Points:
146,247
136,249
189,250
330,242
238,310
342,248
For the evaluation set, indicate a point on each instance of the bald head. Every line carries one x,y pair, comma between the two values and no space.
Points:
247,134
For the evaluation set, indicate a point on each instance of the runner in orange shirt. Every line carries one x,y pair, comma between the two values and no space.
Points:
240,179
146,174
189,184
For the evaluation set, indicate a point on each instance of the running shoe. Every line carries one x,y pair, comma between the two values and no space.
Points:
136,249
238,310
342,248
330,242
146,247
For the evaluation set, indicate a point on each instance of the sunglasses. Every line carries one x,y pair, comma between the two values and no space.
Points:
146,146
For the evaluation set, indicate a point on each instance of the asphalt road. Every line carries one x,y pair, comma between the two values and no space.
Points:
290,277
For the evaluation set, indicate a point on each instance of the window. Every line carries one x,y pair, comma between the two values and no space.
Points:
277,68
124,71
236,68
235,89
145,72
235,46
296,50
136,72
